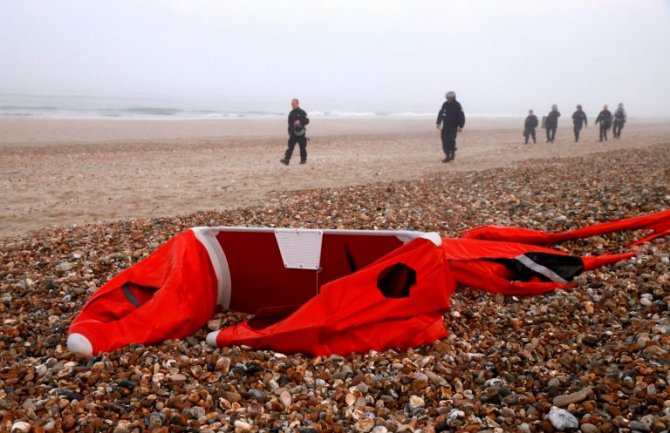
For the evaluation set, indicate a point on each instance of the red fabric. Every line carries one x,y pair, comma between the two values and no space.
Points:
658,223
473,264
591,262
176,288
183,300
351,314
259,278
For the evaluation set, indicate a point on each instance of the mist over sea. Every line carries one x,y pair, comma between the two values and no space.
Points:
149,107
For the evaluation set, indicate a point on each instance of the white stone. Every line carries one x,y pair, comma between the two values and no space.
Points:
20,427
561,419
454,415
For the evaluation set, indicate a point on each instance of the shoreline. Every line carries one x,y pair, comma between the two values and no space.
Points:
24,131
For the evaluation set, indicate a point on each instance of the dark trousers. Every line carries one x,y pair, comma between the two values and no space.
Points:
603,132
551,134
302,142
577,129
616,131
530,132
449,141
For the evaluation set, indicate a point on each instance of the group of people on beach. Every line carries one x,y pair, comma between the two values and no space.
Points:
605,119
450,121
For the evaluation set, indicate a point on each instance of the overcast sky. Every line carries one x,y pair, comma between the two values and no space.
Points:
396,55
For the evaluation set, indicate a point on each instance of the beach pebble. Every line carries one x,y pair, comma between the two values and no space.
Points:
285,398
20,427
415,401
242,426
524,428
638,426
575,397
589,428
64,266
177,377
562,420
223,365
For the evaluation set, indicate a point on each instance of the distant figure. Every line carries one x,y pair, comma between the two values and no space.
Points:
619,120
605,120
529,126
578,120
297,120
551,123
451,120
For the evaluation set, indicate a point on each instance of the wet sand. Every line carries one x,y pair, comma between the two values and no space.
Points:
65,172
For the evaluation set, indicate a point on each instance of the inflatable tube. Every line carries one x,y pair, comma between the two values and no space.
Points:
327,291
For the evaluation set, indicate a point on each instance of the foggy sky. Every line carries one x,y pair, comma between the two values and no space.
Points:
393,55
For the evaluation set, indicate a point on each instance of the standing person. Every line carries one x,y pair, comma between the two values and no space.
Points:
297,120
605,120
619,119
552,123
529,126
450,119
578,120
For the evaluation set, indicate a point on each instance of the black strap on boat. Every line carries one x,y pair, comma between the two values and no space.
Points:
548,267
130,296
350,260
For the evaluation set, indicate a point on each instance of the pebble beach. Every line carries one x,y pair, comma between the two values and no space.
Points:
595,358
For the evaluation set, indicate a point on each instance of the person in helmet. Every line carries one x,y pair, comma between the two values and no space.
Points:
297,120
450,119
551,123
619,120
605,120
529,126
578,120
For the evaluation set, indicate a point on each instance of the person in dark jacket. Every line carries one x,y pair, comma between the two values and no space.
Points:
529,126
450,119
551,123
578,120
297,120
605,120
619,120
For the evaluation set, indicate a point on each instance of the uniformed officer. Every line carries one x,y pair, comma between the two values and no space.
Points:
605,120
297,120
450,119
619,120
578,120
551,123
529,126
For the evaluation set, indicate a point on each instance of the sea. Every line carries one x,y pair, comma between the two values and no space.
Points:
149,107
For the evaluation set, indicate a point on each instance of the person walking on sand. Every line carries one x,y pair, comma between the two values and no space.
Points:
551,123
450,119
619,120
529,126
605,120
578,120
297,120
